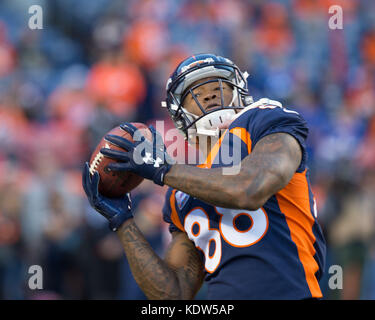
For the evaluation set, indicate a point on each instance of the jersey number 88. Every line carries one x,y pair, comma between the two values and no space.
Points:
197,226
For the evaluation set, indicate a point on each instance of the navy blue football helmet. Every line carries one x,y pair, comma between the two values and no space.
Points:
179,85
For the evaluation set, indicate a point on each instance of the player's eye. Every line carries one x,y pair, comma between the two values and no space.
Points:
218,88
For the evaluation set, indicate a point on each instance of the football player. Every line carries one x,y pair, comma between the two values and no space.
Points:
250,234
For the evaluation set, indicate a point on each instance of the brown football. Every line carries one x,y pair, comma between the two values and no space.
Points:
115,184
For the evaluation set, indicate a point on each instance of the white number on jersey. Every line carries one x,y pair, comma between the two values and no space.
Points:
198,229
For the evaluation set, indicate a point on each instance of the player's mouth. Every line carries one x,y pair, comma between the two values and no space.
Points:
212,106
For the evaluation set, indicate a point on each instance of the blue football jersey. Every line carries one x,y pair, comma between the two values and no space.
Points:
275,252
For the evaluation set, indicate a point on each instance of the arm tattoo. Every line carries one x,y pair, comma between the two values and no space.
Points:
275,159
190,272
156,278
268,169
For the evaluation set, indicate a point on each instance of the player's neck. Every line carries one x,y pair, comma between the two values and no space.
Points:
205,146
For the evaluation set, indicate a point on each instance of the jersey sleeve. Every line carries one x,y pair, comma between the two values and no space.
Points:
263,121
168,211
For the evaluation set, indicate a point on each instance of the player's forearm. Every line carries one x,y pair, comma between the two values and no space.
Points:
262,174
208,185
153,276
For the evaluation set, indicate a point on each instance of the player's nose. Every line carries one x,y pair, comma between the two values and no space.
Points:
209,96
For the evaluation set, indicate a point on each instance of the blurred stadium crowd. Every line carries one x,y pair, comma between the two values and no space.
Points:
98,63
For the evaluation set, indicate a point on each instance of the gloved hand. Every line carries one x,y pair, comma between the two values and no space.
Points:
116,211
148,159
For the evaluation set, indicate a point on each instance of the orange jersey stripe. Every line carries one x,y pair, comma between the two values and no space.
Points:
244,135
294,203
174,215
213,153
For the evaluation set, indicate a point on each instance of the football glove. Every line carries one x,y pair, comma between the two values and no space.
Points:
146,158
116,210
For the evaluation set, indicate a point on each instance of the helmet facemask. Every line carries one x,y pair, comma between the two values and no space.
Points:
210,118
209,121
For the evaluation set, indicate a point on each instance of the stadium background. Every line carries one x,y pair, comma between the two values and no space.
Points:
98,63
